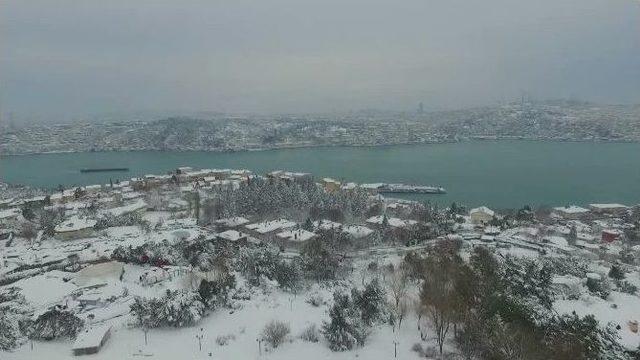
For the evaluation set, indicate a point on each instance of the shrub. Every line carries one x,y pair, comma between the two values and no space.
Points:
223,340
275,332
315,300
310,334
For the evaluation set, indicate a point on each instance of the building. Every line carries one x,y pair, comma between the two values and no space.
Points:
91,340
75,227
571,212
330,185
231,222
232,235
391,221
10,217
295,237
481,215
610,235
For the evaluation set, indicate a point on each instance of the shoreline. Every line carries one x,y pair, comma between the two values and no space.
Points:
275,148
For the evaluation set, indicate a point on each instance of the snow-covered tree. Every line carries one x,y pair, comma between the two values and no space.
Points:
345,328
55,323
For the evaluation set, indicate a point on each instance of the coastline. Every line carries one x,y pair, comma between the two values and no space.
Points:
314,146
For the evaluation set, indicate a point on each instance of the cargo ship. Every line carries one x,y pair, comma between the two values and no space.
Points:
91,170
411,189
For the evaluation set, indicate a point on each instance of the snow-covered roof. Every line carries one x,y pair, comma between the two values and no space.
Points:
231,235
395,222
296,235
572,209
269,226
482,209
126,209
9,213
326,224
232,221
357,231
92,337
75,223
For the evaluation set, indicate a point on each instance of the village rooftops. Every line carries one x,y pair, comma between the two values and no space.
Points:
269,226
75,223
395,222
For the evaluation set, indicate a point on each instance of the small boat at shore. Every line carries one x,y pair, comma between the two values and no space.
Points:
91,170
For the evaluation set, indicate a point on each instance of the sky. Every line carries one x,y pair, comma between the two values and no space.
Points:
68,59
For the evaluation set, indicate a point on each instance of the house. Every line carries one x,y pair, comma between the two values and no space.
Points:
139,206
231,222
608,209
10,217
571,212
75,227
610,235
481,215
270,226
357,231
296,237
232,235
326,225
330,185
91,340
391,221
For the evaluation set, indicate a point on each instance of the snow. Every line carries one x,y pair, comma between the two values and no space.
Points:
75,223
45,290
127,209
231,235
482,209
9,213
91,337
269,226
392,221
299,235
232,221
625,310
572,209
326,225
357,231
612,206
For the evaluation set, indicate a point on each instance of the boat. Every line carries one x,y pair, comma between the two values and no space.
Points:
90,170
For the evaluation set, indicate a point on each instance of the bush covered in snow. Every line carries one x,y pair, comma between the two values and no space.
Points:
275,332
175,309
310,334
56,323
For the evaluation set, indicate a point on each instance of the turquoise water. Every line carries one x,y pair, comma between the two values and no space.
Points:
500,174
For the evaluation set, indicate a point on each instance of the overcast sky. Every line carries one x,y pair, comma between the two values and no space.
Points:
63,59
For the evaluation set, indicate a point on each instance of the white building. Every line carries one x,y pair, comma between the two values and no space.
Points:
481,215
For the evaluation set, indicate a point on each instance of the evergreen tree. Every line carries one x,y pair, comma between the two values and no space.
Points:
345,328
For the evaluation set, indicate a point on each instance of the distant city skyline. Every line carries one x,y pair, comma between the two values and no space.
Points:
67,60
